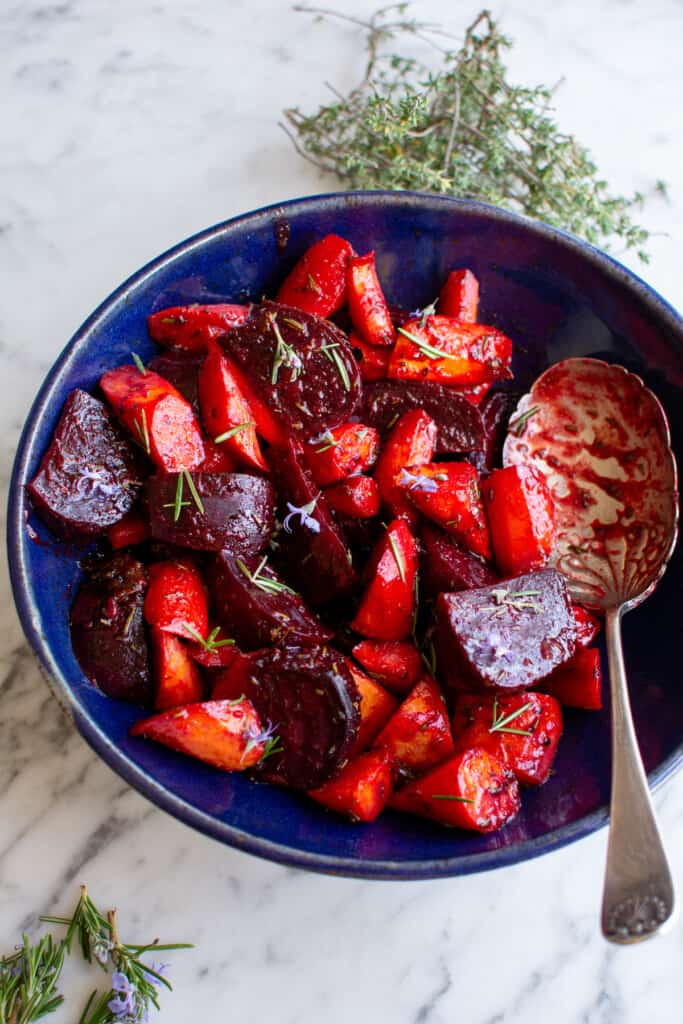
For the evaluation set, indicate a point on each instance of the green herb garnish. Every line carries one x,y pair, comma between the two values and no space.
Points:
398,557
453,123
428,350
313,285
447,796
284,354
139,363
142,431
209,643
330,352
265,583
233,431
193,491
516,426
500,722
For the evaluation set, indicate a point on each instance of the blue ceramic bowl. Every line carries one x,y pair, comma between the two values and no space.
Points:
556,297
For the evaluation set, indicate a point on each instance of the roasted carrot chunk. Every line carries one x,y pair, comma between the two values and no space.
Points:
177,678
368,307
361,789
587,626
226,414
522,730
473,790
394,663
357,497
387,605
268,425
373,360
448,351
376,708
418,735
410,443
578,683
222,733
449,494
156,415
191,327
132,529
176,600
341,452
317,282
459,296
519,510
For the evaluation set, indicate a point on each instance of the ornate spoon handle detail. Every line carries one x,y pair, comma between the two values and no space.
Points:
638,894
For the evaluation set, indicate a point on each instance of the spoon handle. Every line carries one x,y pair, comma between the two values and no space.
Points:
638,894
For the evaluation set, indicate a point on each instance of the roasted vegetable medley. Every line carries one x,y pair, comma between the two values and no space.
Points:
309,563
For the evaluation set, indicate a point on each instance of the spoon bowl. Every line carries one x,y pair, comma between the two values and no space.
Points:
601,440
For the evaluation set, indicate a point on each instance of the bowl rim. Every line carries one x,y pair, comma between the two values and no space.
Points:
347,866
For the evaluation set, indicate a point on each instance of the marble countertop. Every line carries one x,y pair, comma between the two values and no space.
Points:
130,126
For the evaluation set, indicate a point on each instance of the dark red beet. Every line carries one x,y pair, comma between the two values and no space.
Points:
495,410
302,366
458,422
182,370
506,636
318,563
257,614
238,512
313,704
88,478
446,566
108,630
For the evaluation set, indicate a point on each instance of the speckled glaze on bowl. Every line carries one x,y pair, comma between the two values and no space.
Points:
556,297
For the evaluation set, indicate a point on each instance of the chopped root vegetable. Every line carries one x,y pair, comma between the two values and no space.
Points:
447,566
357,497
448,351
587,626
394,663
376,708
317,282
368,307
410,443
176,600
268,425
177,678
132,529
519,510
459,296
388,602
226,414
222,733
418,736
157,416
373,360
473,790
449,494
578,683
362,788
522,730
190,328
342,452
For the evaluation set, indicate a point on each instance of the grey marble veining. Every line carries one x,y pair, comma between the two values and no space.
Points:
125,128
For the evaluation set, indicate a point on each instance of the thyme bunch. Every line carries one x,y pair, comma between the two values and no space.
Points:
458,126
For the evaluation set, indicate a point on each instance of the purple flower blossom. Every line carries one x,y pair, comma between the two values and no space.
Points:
123,1005
415,482
305,517
159,968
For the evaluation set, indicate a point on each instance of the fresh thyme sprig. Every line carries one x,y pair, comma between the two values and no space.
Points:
29,976
456,125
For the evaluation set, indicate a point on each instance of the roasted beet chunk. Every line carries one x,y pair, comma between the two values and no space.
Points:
108,631
302,366
459,425
495,411
311,701
446,566
182,370
88,477
231,511
506,636
257,608
311,547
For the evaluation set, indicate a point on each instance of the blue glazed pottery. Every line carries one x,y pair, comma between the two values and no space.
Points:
556,297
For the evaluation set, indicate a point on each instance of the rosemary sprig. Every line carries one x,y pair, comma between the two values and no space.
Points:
284,353
209,643
398,557
428,350
29,979
142,431
267,584
517,425
233,431
519,600
139,363
447,796
454,123
178,504
500,722
313,285
330,352
193,491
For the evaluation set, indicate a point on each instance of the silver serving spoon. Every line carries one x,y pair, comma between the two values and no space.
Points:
601,439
